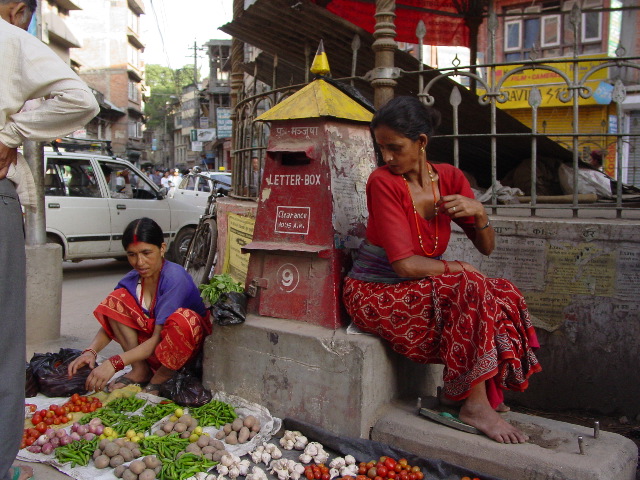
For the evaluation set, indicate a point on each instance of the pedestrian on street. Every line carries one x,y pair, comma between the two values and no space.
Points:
30,70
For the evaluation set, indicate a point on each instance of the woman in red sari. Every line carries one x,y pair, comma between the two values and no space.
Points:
431,310
155,313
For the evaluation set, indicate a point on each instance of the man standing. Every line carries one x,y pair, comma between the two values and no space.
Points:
30,70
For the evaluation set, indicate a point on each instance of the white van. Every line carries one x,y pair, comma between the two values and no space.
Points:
88,206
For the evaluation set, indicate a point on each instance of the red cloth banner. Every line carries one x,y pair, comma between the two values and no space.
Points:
442,28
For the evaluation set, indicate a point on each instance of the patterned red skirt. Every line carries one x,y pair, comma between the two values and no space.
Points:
478,327
182,334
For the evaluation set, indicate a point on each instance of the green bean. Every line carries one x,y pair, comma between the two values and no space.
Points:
215,413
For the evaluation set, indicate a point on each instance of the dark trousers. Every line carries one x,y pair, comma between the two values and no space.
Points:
12,325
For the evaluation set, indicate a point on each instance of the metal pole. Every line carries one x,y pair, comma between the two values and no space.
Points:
36,229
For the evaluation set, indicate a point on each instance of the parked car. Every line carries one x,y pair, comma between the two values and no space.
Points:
88,205
196,189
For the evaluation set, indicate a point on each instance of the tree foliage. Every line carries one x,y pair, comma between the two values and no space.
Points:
165,85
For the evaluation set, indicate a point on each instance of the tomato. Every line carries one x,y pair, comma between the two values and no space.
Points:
64,419
391,474
390,463
382,470
41,427
75,397
371,464
378,478
56,421
419,475
83,399
415,469
465,478
32,432
76,408
403,461
398,468
362,469
48,421
325,476
372,472
36,419
403,475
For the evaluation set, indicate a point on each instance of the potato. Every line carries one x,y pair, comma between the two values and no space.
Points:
116,461
220,435
185,434
119,471
136,452
218,454
151,461
131,445
179,427
217,444
97,453
232,438
243,435
148,474
237,424
256,426
186,419
126,453
129,475
252,434
103,443
208,456
249,420
102,461
160,433
111,449
203,441
208,449
193,448
168,427
120,442
137,467
227,428
157,469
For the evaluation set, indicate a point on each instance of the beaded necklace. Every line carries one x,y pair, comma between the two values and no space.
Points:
416,215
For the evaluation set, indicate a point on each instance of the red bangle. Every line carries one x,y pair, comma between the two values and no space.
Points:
446,266
460,263
117,362
95,354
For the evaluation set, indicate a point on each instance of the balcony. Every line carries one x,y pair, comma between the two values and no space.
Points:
134,38
137,6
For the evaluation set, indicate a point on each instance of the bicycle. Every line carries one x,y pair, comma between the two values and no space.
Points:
202,253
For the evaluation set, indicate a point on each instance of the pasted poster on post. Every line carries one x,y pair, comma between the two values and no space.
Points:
239,234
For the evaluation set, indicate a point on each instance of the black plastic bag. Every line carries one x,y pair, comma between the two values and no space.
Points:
230,309
51,371
31,383
186,390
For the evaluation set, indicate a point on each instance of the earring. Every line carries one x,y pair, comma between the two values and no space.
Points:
421,149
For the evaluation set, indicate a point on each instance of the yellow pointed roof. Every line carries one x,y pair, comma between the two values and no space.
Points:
318,99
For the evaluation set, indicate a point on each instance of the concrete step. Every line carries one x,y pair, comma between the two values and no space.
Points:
551,454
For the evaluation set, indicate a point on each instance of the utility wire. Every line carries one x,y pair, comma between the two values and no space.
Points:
164,48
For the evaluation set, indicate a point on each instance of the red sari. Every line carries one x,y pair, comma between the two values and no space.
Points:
478,327
182,334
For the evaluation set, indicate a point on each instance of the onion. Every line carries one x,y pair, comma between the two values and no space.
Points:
42,439
66,440
75,436
61,433
95,421
50,432
82,429
75,426
99,429
35,449
47,448
55,441
89,436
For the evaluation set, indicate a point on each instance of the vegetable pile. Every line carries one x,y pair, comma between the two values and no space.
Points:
219,284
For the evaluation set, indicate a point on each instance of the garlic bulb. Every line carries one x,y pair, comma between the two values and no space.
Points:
333,473
337,462
222,469
350,460
234,472
305,458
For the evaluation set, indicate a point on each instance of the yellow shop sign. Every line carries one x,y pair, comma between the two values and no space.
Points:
552,85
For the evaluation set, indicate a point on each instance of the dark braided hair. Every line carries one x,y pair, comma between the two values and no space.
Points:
408,116
143,230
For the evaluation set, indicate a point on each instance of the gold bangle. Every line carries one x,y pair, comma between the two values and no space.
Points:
486,226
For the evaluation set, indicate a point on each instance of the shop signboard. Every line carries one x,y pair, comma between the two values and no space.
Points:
223,122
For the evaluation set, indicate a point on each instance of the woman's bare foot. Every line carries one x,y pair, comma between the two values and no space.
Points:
485,419
25,472
503,408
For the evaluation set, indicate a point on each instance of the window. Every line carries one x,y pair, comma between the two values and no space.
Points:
550,31
547,28
70,177
135,129
591,22
133,21
134,55
134,93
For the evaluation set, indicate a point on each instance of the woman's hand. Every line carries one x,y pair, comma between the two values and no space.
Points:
457,206
457,266
99,377
86,358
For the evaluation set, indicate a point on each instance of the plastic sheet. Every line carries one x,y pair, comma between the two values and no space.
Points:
51,371
363,449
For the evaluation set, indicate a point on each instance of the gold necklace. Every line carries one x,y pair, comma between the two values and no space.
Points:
416,216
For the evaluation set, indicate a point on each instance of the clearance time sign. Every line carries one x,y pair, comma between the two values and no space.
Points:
552,86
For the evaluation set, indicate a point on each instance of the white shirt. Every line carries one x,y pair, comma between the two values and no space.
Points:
31,70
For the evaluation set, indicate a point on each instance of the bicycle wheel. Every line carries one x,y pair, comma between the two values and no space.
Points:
202,255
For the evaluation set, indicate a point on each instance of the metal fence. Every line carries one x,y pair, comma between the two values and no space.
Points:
576,79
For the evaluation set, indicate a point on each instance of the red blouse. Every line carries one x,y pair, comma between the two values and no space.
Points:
392,224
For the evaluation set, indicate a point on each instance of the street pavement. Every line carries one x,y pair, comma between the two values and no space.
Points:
85,285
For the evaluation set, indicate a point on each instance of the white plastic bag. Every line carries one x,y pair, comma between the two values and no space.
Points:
589,181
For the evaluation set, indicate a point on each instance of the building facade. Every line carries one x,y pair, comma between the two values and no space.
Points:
110,61
590,32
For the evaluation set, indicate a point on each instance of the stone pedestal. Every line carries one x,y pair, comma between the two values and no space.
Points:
44,292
